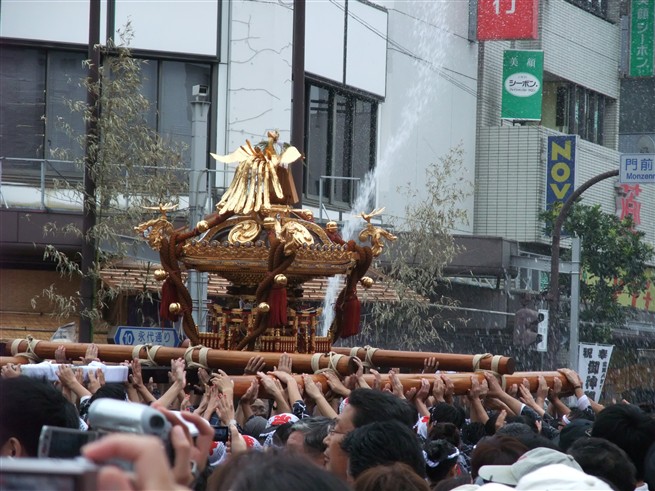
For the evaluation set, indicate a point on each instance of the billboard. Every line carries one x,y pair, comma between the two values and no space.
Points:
523,73
507,19
642,37
560,166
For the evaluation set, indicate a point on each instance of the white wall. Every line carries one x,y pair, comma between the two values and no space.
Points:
430,103
190,26
259,92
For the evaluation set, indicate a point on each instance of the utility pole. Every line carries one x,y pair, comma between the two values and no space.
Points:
88,252
553,294
197,281
298,95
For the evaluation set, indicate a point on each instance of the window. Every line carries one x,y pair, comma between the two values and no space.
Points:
580,111
36,83
340,142
596,7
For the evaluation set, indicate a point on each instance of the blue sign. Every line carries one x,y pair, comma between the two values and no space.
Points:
131,335
637,168
560,178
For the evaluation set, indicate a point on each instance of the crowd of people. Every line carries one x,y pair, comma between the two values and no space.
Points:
282,435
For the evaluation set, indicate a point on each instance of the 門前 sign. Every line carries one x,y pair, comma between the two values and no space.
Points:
637,168
522,79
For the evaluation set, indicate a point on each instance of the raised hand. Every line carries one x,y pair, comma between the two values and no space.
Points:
91,354
430,365
285,364
255,364
60,354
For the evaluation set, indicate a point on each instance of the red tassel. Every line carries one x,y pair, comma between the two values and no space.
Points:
349,313
277,301
168,296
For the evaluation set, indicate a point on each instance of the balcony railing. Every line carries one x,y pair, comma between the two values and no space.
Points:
55,184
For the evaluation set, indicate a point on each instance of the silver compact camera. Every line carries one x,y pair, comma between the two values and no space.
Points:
34,474
112,415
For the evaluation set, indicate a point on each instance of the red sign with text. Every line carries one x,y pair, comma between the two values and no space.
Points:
507,19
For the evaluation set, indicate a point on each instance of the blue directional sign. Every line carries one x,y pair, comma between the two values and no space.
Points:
131,335
637,168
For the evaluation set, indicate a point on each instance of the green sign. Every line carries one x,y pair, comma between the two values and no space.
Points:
523,73
642,29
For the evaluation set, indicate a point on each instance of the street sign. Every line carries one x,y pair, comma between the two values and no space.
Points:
542,328
637,168
131,335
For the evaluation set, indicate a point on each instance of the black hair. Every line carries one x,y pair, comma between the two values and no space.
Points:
472,432
441,457
27,405
496,450
452,483
443,412
110,391
534,440
445,431
281,434
393,477
630,428
314,431
272,471
602,458
382,443
515,429
374,406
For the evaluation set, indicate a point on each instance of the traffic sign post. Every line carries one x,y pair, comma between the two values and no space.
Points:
131,335
637,168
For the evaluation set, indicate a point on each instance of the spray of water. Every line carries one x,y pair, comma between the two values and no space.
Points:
428,52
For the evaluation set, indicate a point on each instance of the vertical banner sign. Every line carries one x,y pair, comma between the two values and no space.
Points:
560,180
507,19
542,328
522,77
594,359
642,37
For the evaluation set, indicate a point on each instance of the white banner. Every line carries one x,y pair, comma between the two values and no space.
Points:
593,362
542,329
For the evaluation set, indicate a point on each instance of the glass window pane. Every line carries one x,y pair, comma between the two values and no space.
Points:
177,80
149,89
318,130
363,141
65,72
22,119
340,163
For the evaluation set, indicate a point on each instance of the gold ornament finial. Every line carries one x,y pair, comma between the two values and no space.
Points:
160,274
280,279
367,282
175,308
202,226
264,307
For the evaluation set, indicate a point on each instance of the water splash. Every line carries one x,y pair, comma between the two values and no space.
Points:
428,54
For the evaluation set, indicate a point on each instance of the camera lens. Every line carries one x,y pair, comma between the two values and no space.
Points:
157,421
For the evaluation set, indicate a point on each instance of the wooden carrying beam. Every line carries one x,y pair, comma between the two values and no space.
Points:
161,355
461,381
414,360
